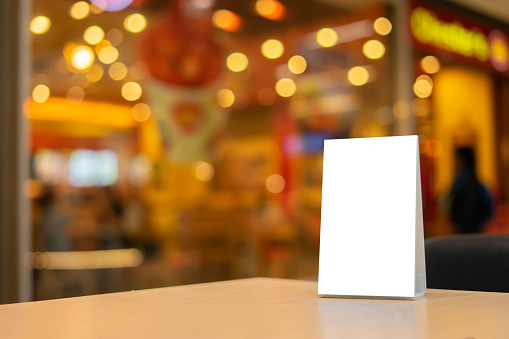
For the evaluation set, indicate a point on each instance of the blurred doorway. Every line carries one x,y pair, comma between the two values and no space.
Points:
464,114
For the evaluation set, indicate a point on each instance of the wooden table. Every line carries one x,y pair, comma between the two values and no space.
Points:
257,308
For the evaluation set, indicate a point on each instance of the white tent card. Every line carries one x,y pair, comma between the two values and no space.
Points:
371,234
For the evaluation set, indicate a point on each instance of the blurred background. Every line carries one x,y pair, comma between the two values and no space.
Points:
169,142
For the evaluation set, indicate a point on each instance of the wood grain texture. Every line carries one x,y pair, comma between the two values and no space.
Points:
257,308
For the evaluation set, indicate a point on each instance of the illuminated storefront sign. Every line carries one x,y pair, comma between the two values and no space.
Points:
435,30
499,50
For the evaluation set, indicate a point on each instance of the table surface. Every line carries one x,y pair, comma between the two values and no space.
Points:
257,308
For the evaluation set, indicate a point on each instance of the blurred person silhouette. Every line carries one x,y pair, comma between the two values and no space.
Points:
471,205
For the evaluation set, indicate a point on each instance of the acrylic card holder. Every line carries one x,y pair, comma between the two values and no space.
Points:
371,234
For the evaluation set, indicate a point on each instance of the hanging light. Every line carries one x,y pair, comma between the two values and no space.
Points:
80,10
326,37
111,5
40,24
226,20
40,93
430,64
108,54
270,9
141,112
286,87
117,71
272,49
297,64
135,23
82,57
225,98
358,76
382,26
237,62
93,35
131,91
373,49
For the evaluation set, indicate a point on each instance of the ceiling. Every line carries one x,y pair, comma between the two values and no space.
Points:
299,12
498,9
47,49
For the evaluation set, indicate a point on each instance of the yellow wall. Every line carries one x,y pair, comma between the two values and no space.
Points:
463,107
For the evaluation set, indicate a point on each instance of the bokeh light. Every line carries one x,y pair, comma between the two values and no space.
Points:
135,23
202,4
421,107
373,49
117,71
237,62
272,49
93,35
40,24
95,73
226,20
75,94
266,96
275,183
297,64
401,110
225,97
80,10
49,166
108,54
131,91
141,112
426,78
68,48
40,93
112,5
140,170
82,57
326,37
382,26
423,86
270,9
358,76
430,64
115,36
203,171
101,45
286,87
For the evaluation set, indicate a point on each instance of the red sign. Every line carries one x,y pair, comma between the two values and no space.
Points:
439,32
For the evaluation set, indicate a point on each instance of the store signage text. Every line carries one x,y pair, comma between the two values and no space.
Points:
451,36
456,37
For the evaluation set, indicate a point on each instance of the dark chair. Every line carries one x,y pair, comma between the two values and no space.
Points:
474,262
